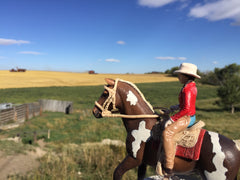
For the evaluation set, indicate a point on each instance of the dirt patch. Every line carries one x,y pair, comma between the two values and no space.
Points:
20,163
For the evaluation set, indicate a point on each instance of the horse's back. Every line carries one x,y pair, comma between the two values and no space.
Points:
220,157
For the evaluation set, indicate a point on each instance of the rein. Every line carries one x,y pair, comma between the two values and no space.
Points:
112,99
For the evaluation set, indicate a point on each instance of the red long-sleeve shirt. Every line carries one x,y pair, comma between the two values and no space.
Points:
187,100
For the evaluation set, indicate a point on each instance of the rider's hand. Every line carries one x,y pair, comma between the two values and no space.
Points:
174,107
169,122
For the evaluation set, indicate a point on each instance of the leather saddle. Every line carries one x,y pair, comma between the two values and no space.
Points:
187,138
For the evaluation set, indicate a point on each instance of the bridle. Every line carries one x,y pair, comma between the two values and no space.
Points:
112,99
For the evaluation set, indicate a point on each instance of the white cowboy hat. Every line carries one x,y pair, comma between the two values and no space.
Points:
189,69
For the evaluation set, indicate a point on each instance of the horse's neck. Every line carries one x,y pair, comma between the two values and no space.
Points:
132,103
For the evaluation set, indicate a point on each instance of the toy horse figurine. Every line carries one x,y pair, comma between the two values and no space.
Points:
219,156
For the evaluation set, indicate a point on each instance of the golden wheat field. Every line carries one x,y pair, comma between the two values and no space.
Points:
51,78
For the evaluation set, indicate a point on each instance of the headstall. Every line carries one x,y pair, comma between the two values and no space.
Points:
112,99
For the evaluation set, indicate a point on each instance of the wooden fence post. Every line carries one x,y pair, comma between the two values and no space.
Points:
49,131
35,136
14,114
40,110
27,112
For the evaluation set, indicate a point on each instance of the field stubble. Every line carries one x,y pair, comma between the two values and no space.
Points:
51,78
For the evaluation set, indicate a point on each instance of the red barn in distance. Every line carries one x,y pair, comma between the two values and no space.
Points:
91,72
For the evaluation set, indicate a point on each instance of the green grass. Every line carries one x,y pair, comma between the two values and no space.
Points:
82,97
81,127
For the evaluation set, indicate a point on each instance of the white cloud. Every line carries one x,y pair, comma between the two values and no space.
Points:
171,58
218,10
213,10
154,3
121,42
215,62
112,60
165,58
12,41
182,58
30,52
185,4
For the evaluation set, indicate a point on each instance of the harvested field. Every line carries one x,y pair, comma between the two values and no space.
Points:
50,78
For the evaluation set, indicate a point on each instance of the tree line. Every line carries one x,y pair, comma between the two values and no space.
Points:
228,81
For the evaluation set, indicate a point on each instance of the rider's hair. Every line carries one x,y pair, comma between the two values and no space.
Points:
191,78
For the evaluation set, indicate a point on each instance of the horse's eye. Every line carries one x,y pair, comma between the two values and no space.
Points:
105,94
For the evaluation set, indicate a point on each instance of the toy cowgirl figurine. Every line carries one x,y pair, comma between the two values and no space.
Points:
184,118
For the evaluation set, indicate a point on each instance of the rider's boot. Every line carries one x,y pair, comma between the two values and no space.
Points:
169,175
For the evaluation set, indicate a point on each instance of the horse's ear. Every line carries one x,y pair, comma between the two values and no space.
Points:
109,81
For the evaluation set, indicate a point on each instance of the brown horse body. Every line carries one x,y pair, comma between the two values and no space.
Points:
219,159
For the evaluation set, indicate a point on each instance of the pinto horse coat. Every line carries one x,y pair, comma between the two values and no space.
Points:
219,158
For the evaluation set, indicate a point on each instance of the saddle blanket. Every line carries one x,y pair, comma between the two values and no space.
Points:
194,152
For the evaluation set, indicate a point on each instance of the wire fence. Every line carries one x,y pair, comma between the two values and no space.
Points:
20,113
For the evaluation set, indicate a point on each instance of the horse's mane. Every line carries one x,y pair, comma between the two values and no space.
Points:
139,92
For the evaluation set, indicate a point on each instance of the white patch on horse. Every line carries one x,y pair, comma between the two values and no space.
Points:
141,134
132,98
218,159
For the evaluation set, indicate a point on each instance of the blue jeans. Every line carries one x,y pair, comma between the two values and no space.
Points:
192,121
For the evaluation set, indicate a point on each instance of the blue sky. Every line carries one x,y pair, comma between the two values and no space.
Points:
118,36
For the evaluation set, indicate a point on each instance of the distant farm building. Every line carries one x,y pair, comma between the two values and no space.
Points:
17,70
91,72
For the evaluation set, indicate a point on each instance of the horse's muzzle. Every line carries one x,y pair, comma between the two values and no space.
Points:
96,112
